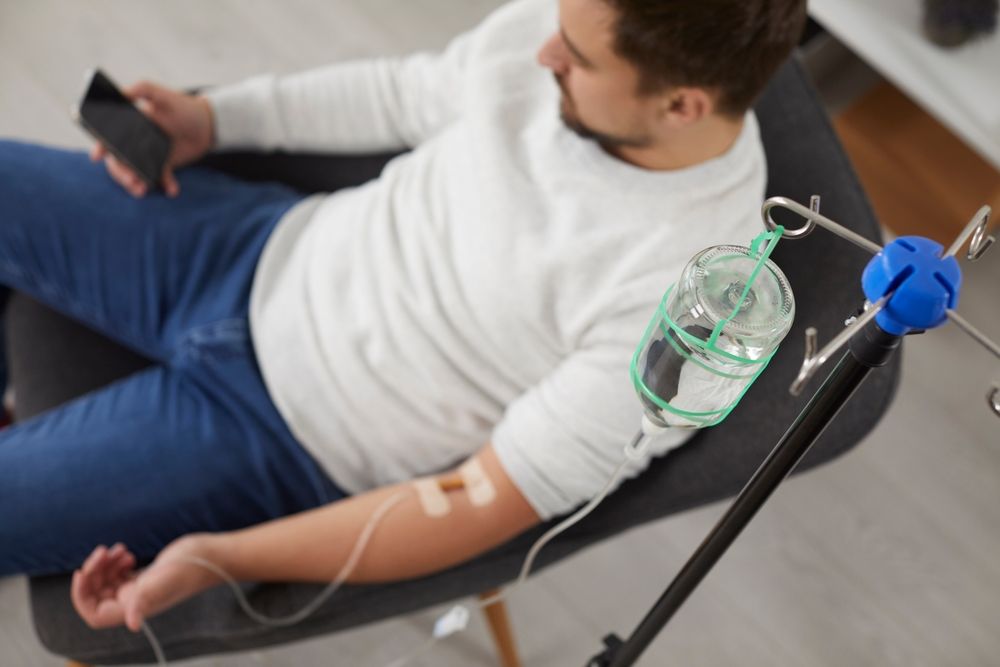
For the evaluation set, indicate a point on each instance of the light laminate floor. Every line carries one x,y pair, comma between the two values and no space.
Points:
886,557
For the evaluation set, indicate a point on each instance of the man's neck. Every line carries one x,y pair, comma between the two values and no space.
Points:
710,138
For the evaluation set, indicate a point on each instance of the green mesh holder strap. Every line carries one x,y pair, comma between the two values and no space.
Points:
713,417
772,237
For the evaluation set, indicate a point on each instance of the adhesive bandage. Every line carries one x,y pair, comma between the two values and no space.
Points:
479,487
432,497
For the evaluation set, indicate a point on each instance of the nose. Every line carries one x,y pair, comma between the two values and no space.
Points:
553,55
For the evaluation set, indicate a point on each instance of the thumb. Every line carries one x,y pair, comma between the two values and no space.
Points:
135,611
153,93
134,617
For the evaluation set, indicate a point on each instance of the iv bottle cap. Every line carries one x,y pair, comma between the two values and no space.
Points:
718,277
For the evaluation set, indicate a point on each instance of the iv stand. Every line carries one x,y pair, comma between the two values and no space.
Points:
869,347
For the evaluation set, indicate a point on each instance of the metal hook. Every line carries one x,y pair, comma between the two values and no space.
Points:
977,230
813,218
980,243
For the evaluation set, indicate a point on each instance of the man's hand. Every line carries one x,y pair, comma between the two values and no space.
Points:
187,120
107,591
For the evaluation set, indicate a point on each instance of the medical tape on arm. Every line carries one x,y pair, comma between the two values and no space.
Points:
432,497
477,484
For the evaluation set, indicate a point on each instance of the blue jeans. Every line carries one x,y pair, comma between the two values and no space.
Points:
191,444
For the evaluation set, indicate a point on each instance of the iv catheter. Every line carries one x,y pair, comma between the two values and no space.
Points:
910,286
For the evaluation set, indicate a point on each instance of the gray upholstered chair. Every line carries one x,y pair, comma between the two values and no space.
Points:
53,359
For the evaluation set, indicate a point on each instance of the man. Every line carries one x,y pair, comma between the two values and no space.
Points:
479,301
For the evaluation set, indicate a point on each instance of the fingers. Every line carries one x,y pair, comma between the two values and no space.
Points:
87,584
83,600
99,569
170,185
99,582
124,559
125,177
119,564
154,100
87,604
94,559
105,567
122,569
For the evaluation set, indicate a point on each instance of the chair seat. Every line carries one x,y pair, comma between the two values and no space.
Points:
53,359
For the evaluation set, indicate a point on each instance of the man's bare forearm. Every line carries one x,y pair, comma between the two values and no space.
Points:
315,545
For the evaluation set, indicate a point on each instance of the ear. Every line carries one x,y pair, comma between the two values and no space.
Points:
686,106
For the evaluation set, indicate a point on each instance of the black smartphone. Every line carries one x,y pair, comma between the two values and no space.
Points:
126,132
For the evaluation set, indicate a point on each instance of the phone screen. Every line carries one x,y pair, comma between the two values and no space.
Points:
114,121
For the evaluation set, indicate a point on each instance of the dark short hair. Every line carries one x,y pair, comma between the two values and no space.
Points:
731,47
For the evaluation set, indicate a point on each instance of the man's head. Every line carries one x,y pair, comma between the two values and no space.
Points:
634,71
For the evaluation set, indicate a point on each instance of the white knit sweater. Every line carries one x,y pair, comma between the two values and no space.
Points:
490,286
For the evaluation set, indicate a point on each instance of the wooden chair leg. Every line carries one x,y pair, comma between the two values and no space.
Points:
503,635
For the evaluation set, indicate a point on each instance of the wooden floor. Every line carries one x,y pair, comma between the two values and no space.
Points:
920,177
886,557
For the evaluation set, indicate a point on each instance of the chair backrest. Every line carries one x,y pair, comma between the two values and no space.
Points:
804,158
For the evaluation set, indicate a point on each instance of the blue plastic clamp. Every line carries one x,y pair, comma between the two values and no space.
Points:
925,286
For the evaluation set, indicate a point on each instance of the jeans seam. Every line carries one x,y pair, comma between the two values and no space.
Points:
231,334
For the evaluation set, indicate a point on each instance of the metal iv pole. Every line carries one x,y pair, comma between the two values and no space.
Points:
911,287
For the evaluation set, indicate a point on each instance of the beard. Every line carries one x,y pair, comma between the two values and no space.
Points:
607,140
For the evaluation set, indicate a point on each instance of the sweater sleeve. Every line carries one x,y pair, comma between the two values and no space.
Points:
365,106
561,441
